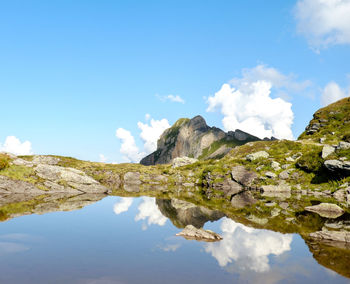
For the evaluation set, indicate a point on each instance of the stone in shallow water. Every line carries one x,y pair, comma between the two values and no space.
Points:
193,233
243,199
327,210
337,236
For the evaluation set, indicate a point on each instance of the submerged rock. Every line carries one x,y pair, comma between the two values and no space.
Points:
281,191
243,199
338,236
192,233
327,210
282,187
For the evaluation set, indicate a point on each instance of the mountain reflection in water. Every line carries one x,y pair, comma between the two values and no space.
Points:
108,240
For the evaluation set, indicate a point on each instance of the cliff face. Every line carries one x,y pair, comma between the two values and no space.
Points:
194,138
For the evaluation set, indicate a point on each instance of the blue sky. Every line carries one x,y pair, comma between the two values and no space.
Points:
73,72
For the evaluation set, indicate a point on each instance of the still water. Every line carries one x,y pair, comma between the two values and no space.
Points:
131,240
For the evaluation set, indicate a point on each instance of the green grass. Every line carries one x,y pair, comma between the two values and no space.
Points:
338,122
20,173
4,161
311,161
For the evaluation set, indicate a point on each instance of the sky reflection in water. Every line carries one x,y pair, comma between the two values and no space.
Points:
128,240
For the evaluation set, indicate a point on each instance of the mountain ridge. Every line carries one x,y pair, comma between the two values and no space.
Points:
195,139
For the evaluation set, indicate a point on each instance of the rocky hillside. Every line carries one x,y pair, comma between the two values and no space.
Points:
330,124
195,139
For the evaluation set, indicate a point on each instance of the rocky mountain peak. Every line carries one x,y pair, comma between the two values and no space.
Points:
198,123
194,138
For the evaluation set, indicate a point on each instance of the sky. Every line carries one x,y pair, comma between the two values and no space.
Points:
101,80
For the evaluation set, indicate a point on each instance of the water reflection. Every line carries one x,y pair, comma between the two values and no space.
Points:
169,247
122,205
149,212
14,243
248,254
248,247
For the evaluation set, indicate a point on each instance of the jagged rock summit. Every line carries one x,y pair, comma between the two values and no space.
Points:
194,138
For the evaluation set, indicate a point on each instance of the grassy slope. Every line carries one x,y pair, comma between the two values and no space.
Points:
337,127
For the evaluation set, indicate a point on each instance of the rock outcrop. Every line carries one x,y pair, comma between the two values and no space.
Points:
194,138
183,161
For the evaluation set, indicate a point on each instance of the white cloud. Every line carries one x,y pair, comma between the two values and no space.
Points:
148,210
150,133
247,103
324,22
278,80
249,248
332,93
122,205
171,98
103,158
128,147
15,146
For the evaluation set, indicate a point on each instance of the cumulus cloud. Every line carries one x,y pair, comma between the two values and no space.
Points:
128,148
332,93
263,72
324,22
171,98
151,132
15,146
103,158
122,205
148,211
246,103
249,248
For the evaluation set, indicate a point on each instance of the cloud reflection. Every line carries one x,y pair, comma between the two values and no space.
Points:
14,243
248,247
169,247
122,205
148,211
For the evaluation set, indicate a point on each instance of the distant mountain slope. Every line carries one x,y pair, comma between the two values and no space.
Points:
194,138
